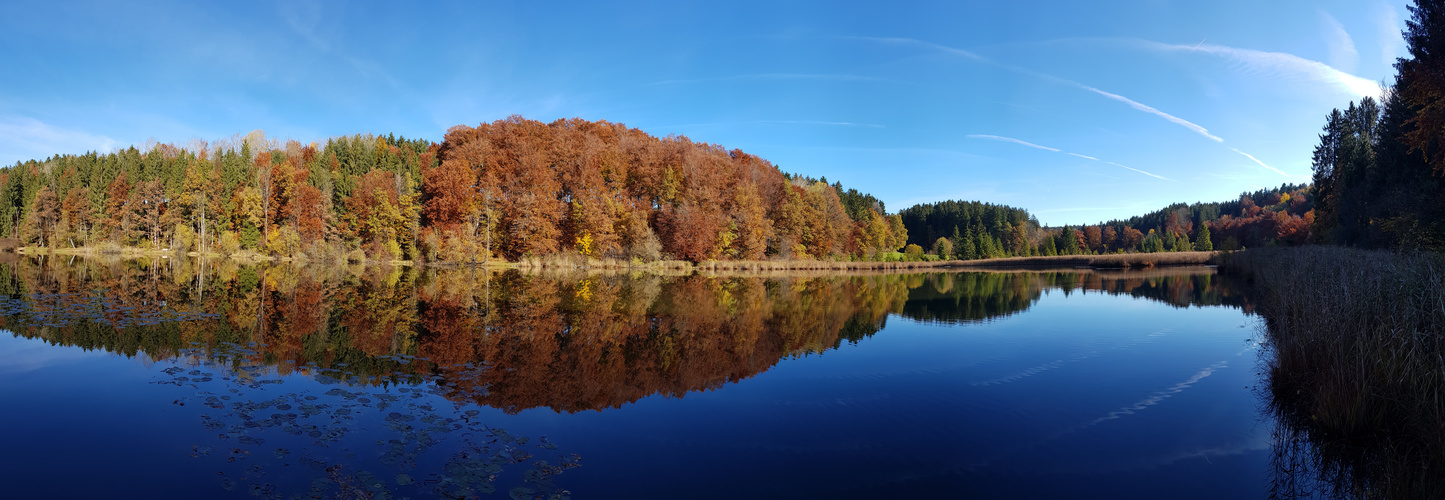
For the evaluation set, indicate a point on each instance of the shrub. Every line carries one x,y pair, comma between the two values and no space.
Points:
913,252
943,248
109,248
229,243
283,241
183,239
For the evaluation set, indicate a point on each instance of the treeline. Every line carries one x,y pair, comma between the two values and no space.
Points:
1378,167
975,230
971,230
242,193
513,188
1274,216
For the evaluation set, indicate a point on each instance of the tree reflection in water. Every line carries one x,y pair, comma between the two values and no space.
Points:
408,350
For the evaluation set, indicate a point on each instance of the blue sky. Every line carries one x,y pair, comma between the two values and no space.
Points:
1077,111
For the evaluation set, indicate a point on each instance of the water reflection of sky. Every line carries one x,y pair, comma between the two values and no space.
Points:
20,355
1101,404
1021,392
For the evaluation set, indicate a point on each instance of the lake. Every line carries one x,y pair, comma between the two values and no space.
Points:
169,379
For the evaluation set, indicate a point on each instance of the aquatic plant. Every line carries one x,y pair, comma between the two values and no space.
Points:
1357,364
266,433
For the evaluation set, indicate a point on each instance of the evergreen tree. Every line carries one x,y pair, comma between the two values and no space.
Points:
1201,242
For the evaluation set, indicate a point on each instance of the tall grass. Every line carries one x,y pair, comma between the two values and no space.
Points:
1357,367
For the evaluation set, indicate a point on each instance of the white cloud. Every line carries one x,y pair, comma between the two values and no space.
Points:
1132,103
921,43
1282,66
821,122
1151,110
1160,177
1387,21
775,76
24,138
1256,160
1342,48
1012,140
1056,150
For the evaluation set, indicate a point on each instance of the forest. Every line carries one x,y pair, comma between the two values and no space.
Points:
521,189
509,189
975,230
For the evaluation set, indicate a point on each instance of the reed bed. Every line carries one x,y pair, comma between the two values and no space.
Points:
1104,261
732,267
1357,366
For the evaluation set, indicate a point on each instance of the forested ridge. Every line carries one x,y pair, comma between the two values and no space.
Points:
516,189
512,189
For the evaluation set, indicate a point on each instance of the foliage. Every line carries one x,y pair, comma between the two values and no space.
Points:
943,248
976,229
913,252
512,187
1202,243
1379,168
229,243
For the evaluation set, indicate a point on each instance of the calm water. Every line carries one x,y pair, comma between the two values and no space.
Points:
158,380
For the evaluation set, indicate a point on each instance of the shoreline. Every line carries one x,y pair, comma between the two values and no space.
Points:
577,262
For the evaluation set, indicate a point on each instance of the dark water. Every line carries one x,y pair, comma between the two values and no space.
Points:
155,380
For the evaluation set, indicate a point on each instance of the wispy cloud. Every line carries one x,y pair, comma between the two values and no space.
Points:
1342,48
1267,61
1137,170
921,43
1015,141
24,138
1387,24
820,122
1256,160
777,122
774,76
1151,110
1078,209
1280,65
1056,150
1196,128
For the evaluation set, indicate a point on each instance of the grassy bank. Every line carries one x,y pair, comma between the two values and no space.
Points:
1357,367
1106,261
340,255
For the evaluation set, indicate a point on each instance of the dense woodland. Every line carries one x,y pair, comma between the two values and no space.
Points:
518,188
1378,167
974,230
513,188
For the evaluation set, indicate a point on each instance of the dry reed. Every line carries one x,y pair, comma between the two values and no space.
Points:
1357,366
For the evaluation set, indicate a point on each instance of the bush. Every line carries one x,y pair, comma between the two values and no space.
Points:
283,241
648,248
913,252
109,248
229,243
183,239
943,248
356,255
430,246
